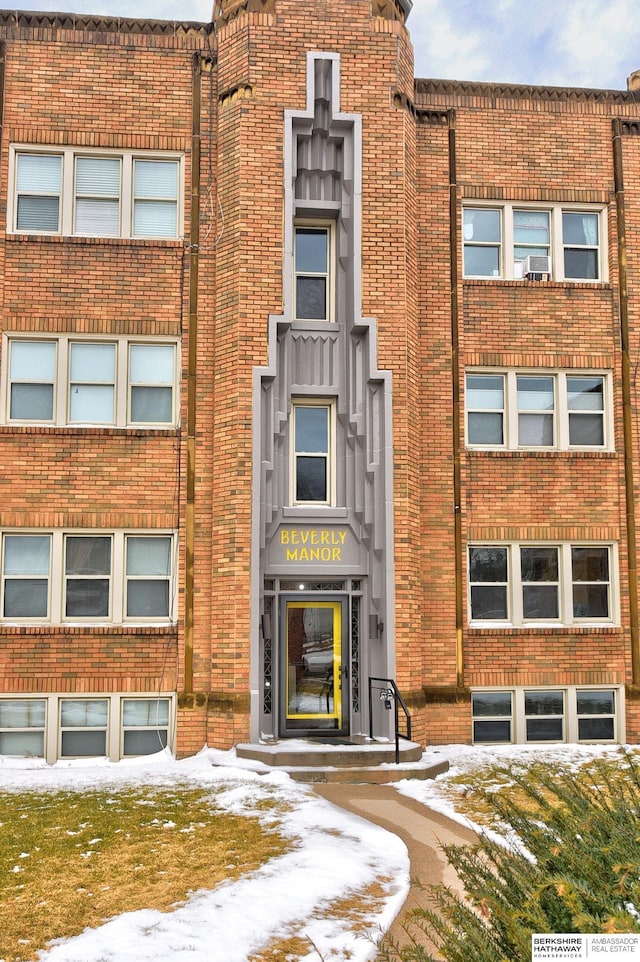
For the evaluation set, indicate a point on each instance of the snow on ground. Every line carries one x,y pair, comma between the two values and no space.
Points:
338,853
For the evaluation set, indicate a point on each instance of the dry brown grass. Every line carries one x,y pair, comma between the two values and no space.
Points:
71,860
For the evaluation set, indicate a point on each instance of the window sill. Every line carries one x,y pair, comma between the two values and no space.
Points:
89,430
314,512
491,627
177,242
40,628
528,285
571,453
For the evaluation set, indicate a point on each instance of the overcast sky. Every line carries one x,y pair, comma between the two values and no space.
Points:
577,43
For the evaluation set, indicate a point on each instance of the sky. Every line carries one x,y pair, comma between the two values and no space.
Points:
576,43
336,853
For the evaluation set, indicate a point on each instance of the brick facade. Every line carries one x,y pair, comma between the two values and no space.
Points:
221,107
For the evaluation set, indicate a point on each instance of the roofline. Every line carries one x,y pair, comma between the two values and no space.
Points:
471,88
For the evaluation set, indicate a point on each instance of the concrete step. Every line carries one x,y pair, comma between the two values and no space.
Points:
360,761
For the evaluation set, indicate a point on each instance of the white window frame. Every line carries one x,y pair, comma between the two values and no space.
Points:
328,456
61,383
328,227
514,587
510,268
67,202
561,412
115,729
570,717
118,579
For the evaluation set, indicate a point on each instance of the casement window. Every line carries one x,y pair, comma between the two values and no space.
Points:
57,726
71,381
98,194
541,584
538,409
313,270
561,243
539,715
114,577
313,452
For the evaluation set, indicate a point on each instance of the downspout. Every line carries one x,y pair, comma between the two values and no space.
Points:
194,250
627,422
455,394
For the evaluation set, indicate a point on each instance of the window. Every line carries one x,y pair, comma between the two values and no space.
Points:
561,410
496,241
100,194
525,584
145,725
60,725
313,432
22,726
87,577
313,258
74,381
539,715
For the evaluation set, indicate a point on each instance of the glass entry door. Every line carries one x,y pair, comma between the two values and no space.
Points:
314,673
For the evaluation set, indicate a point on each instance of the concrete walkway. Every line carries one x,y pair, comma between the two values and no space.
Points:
422,830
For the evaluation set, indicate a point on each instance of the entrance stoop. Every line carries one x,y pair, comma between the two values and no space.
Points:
364,762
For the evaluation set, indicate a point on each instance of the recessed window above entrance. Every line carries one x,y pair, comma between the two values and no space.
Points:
312,456
313,274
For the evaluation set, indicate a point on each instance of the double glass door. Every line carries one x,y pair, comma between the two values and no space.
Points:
314,676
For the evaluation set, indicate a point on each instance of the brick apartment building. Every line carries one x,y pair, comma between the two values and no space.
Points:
311,372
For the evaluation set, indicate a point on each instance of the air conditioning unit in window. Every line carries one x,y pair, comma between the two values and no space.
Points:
537,267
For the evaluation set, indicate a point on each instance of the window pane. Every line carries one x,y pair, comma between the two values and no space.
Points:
22,744
155,218
26,554
312,429
489,602
586,429
148,556
535,393
531,227
37,213
93,363
156,179
84,712
145,711
88,556
580,228
311,298
31,402
485,392
144,742
485,429
151,363
84,744
481,225
22,713
544,729
481,261
491,731
491,703
590,563
39,173
590,601
91,403
585,393
487,564
590,729
147,599
595,702
580,264
98,176
26,598
311,479
539,564
540,601
544,703
535,430
33,360
88,598
99,217
151,405
312,250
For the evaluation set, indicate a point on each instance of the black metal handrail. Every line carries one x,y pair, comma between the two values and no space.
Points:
390,693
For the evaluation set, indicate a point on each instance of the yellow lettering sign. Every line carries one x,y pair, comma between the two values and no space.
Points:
313,544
